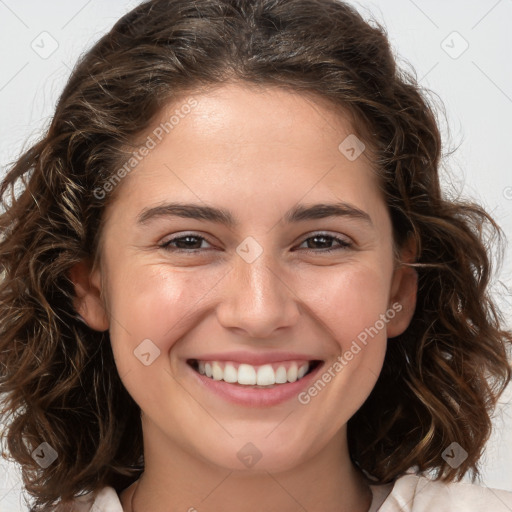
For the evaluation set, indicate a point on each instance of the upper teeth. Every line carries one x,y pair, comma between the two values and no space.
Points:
249,375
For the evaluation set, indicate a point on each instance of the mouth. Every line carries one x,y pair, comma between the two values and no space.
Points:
265,376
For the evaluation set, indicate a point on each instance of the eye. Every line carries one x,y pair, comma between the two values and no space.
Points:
322,238
189,243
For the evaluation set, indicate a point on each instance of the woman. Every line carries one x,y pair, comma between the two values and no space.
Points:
173,338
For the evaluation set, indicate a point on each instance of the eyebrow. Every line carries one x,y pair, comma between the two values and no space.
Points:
299,213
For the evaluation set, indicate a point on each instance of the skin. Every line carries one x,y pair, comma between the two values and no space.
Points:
257,152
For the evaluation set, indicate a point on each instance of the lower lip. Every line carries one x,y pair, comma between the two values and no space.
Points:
256,397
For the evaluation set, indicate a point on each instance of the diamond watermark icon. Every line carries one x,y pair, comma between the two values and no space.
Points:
455,455
249,250
45,45
44,455
249,455
454,45
352,147
146,352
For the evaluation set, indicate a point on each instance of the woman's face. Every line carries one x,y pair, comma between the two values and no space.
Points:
260,291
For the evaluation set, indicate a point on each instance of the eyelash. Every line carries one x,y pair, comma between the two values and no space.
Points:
343,243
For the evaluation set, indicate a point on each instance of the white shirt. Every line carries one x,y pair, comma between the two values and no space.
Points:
408,493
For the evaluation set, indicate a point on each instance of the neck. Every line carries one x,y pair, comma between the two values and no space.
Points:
327,481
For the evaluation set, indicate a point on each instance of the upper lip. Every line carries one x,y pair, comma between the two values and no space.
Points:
256,358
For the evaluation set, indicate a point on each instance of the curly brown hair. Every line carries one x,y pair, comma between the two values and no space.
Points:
441,378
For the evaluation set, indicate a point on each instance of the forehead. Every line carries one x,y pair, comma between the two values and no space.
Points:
248,113
252,141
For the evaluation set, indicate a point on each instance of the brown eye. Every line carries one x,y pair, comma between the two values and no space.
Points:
191,243
324,239
186,243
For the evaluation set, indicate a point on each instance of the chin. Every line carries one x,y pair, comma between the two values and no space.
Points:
262,455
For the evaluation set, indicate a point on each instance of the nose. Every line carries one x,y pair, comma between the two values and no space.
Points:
258,298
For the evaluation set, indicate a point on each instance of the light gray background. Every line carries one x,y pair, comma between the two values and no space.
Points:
475,87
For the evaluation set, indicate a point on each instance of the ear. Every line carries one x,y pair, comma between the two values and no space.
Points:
88,302
403,292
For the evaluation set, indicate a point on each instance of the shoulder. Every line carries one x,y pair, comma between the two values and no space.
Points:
414,493
104,500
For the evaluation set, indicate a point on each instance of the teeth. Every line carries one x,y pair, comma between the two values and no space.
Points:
230,373
249,375
217,372
265,376
281,376
301,372
246,374
291,374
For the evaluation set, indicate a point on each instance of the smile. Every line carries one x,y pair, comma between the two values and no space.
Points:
266,375
259,379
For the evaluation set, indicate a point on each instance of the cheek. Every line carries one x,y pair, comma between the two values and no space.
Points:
154,302
348,301
159,303
151,308
162,304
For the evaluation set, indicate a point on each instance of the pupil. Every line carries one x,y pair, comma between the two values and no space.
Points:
321,237
187,241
